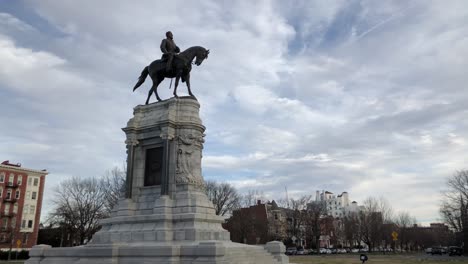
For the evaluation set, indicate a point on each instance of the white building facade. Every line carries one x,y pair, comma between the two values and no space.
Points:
338,206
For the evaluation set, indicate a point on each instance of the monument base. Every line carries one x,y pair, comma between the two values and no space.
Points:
166,217
154,228
220,252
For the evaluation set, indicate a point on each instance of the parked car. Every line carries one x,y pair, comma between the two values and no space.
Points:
355,250
313,252
323,251
428,250
300,251
436,251
341,251
452,251
291,251
329,251
334,250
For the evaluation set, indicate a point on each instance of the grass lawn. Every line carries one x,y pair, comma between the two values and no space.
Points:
380,259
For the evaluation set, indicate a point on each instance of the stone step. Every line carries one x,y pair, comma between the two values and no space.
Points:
250,255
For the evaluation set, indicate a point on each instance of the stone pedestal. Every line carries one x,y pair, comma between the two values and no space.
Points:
165,217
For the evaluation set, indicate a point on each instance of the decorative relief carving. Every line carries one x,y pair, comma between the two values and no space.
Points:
188,159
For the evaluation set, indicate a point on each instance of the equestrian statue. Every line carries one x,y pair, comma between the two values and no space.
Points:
172,64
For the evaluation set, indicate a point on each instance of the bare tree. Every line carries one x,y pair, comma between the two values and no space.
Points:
251,198
296,216
113,183
405,222
372,218
223,196
79,205
314,213
351,229
454,208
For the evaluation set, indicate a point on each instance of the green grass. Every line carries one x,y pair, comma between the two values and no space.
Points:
379,259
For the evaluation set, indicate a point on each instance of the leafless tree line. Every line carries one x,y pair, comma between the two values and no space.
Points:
454,206
79,204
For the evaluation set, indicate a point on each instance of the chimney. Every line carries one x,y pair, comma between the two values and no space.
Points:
259,202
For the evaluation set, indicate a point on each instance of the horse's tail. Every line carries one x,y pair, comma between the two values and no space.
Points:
142,78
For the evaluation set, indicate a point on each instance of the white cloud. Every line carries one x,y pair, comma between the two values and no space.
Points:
354,96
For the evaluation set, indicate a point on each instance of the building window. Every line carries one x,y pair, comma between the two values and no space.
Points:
28,195
20,179
31,209
26,209
36,181
1,192
34,194
2,177
11,179
23,224
5,223
29,181
7,208
15,208
8,194
30,223
17,194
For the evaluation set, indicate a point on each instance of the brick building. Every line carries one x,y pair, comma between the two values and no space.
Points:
21,192
261,223
249,225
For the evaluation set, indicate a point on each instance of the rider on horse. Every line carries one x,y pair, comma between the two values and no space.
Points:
169,49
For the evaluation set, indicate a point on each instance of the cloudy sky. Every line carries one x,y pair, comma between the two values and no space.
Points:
358,96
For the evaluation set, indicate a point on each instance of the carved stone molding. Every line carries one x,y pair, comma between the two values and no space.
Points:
188,159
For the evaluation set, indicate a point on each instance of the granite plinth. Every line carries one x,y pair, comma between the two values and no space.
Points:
172,222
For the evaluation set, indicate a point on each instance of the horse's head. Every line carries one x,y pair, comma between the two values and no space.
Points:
203,54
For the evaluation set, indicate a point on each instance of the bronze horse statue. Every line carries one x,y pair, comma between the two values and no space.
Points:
181,67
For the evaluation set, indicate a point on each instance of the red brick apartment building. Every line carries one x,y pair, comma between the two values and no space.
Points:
21,192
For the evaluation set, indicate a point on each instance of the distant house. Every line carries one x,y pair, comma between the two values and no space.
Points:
264,222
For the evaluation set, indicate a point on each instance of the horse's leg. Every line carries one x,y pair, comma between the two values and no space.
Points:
177,84
149,93
156,84
187,80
